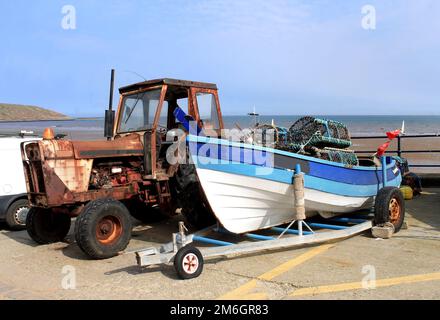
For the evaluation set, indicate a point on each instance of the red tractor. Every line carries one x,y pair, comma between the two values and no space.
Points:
102,182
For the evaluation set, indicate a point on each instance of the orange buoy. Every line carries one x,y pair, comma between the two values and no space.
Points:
48,134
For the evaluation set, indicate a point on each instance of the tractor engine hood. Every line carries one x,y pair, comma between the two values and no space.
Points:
124,147
58,171
63,149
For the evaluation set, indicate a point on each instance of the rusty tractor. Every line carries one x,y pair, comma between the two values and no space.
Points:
102,183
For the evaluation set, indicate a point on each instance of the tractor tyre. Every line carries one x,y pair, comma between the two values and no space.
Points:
191,198
103,229
45,227
145,214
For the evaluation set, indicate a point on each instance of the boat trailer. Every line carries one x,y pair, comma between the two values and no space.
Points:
188,259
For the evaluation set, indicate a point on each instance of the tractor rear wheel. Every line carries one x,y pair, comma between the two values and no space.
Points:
389,207
103,229
191,198
44,226
144,213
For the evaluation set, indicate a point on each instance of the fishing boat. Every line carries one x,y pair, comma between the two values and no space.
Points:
250,187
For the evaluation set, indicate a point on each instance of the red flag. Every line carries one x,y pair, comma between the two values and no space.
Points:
393,134
381,150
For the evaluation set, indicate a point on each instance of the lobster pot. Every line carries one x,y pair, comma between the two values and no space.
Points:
271,136
347,157
319,133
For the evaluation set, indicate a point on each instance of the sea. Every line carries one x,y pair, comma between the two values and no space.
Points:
357,125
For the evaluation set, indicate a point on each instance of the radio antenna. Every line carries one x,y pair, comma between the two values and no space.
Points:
135,73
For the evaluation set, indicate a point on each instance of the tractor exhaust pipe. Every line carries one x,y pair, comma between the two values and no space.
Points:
110,113
112,86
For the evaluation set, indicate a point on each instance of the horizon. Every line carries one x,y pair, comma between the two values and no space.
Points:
95,115
316,54
100,117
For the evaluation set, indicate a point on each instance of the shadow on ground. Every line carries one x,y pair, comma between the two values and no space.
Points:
3,226
166,269
19,236
425,208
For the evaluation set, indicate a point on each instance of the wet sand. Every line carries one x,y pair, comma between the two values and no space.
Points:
407,144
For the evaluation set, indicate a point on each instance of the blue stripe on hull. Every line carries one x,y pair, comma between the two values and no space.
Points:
351,176
284,176
222,142
249,154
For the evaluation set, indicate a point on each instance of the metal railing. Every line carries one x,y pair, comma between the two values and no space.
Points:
399,150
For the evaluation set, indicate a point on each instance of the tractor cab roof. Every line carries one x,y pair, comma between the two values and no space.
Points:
167,81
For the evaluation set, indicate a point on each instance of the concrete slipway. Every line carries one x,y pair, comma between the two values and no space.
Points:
406,266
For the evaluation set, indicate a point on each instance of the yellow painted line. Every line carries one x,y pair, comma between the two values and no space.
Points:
255,296
428,193
243,291
358,285
240,292
294,262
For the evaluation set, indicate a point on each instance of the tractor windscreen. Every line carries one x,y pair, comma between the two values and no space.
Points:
138,111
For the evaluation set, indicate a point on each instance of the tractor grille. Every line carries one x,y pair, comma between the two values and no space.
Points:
34,172
33,168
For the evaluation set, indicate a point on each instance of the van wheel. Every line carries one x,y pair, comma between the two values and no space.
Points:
390,207
103,229
16,214
44,226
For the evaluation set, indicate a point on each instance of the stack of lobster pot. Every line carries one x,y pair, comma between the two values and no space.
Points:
321,138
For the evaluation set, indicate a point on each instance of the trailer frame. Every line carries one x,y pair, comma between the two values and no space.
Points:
284,238
188,259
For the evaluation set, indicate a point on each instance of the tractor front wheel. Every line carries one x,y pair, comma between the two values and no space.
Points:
45,226
103,229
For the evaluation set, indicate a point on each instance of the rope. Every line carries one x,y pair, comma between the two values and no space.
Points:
302,146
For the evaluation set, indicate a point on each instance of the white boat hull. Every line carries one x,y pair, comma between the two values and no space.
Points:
243,203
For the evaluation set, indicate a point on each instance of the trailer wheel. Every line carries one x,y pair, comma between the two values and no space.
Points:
16,214
390,207
188,262
103,229
45,227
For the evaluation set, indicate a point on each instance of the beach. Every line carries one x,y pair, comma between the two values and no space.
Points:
407,144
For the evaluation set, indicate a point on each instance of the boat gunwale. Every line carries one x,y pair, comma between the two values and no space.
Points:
211,140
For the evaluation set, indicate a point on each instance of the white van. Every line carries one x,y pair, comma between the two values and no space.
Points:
13,194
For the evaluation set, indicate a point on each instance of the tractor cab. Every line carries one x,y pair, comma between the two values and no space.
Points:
150,105
103,182
147,109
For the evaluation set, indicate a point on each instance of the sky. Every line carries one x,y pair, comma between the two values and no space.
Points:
281,56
